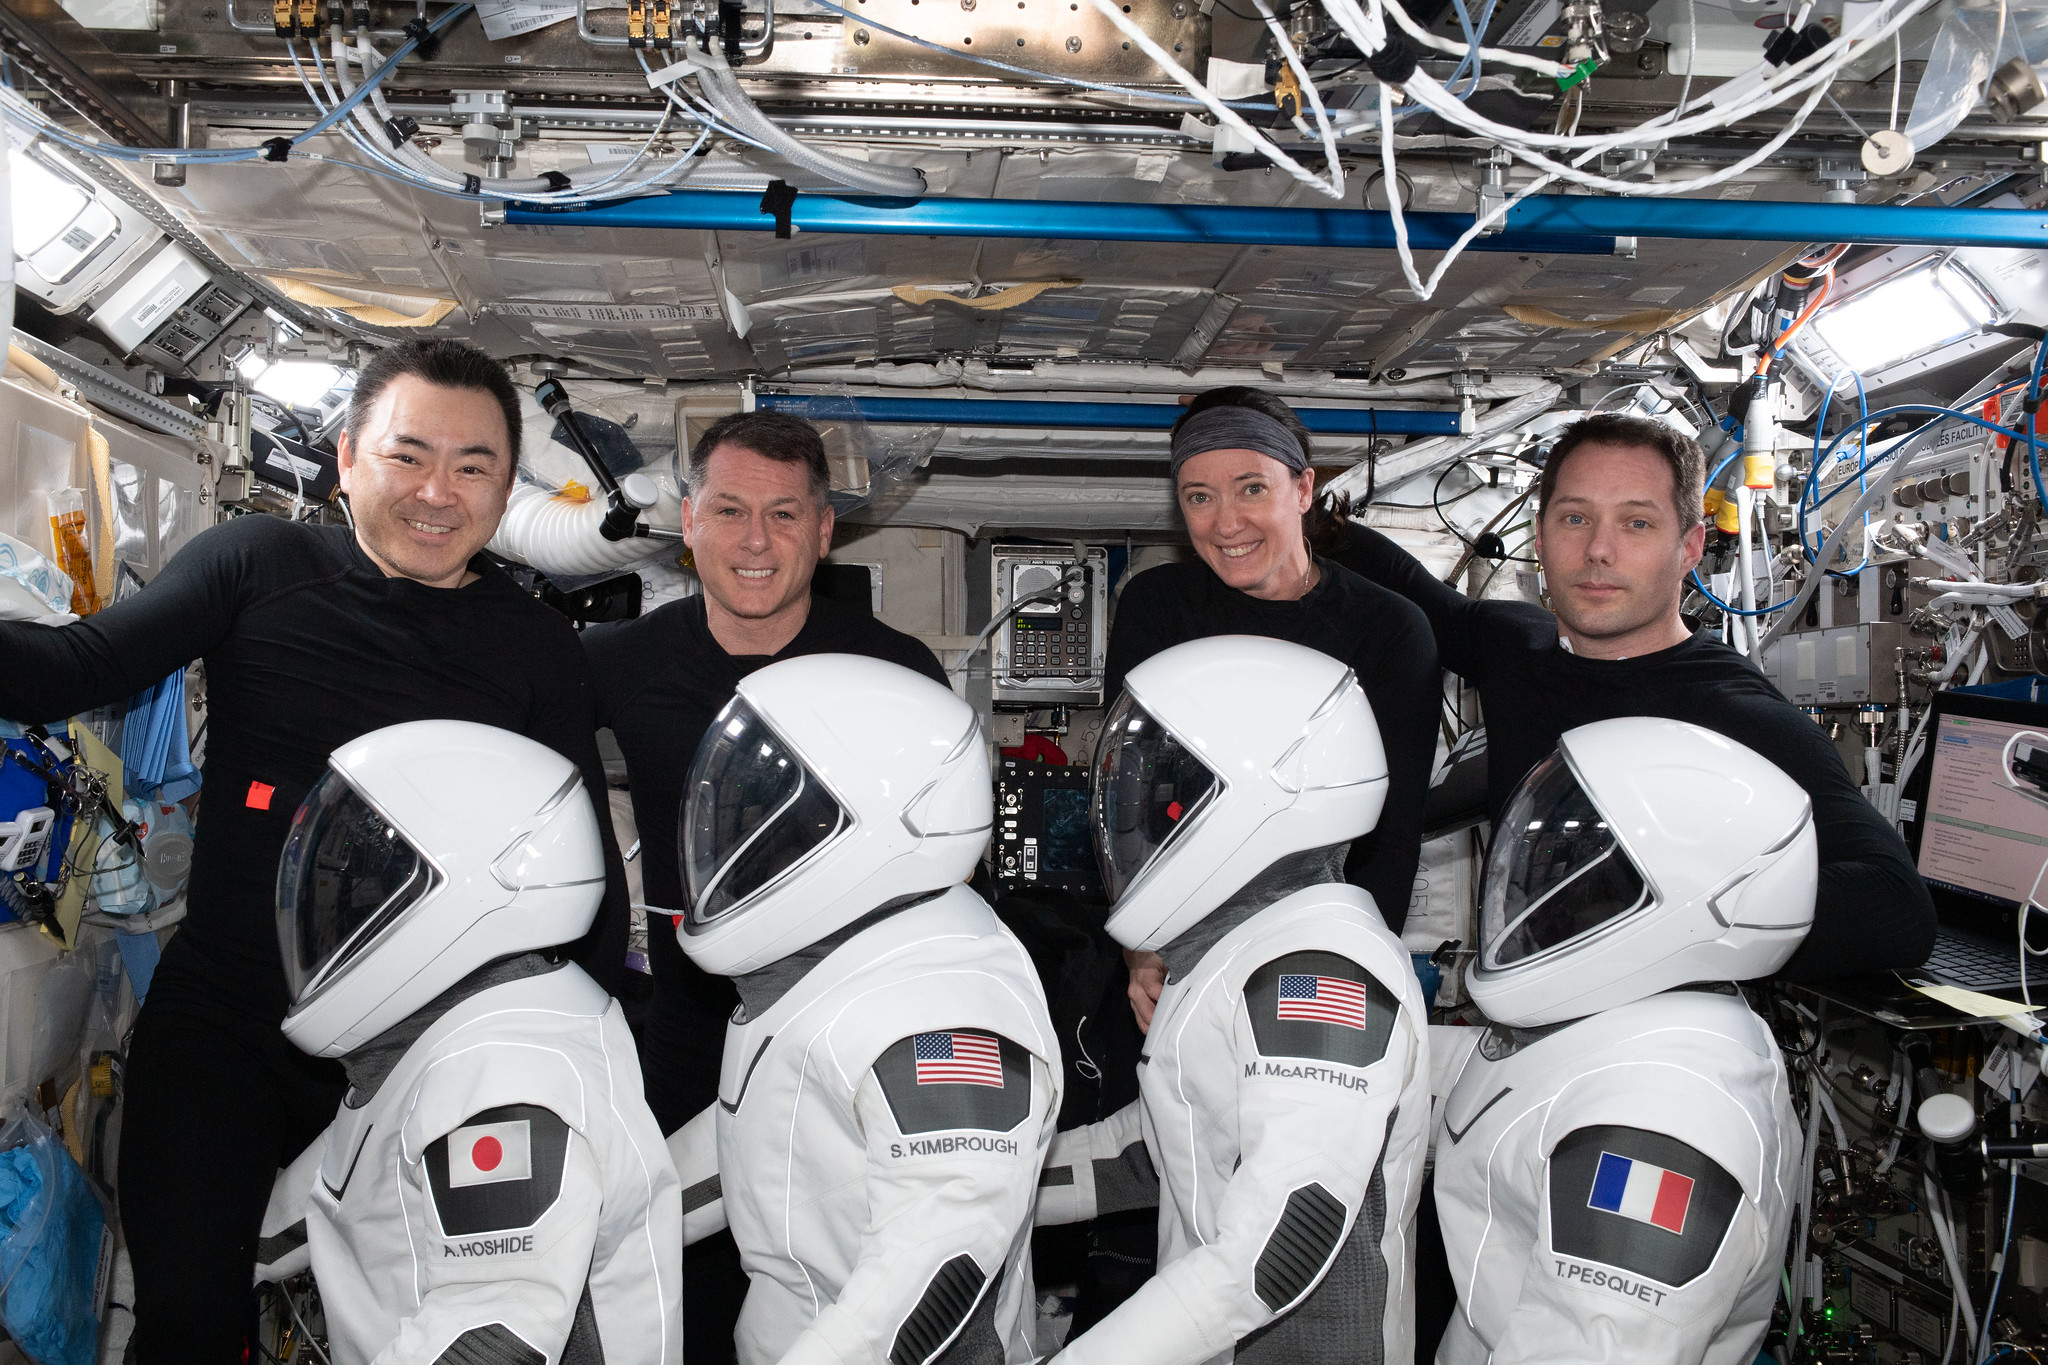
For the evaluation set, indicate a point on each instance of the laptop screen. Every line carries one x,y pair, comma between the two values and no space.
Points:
1977,835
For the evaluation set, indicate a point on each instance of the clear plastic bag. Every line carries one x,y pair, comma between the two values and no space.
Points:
34,586
55,1248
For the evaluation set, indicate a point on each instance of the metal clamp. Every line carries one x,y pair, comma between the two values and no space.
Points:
756,49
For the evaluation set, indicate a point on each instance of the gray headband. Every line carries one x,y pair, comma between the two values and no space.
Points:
1233,428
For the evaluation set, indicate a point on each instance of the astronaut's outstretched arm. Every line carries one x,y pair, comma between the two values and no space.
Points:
281,1247
1645,1245
694,1150
1097,1169
1315,1102
503,1216
952,1168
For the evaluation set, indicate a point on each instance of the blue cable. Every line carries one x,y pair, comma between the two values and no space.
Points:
1906,408
2011,1202
1812,552
190,155
1471,59
2034,445
1707,592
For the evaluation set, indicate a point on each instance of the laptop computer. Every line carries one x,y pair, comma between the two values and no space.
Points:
1978,844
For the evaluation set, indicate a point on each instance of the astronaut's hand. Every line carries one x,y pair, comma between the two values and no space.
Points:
1148,978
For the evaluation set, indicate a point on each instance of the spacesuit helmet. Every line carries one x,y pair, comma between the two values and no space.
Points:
830,786
424,852
1642,854
1222,756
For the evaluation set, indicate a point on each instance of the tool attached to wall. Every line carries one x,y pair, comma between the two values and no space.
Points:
625,499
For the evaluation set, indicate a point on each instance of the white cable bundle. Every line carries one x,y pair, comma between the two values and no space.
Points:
1331,184
1811,76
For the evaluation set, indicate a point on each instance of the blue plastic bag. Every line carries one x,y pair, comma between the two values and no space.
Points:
53,1248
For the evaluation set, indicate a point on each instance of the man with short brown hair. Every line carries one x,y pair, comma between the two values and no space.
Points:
312,637
758,519
1618,531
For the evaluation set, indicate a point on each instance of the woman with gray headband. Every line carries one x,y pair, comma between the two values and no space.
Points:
1246,492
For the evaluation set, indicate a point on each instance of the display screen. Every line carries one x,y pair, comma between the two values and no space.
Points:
1063,843
1980,836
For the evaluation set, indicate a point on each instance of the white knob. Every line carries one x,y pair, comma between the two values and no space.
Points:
639,490
1947,1118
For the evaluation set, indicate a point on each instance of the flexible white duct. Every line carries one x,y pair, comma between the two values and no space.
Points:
722,89
560,537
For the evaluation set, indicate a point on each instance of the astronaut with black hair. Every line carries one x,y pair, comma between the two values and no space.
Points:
494,1186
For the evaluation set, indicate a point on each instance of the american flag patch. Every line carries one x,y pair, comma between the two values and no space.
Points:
958,1059
1323,1000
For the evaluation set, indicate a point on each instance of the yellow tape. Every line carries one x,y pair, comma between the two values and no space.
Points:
374,309
1652,320
101,459
996,302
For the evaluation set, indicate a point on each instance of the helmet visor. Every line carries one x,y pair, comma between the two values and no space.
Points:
346,877
752,812
1557,872
1148,788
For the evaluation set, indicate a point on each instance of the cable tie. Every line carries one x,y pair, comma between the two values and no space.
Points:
277,149
426,41
1395,62
472,184
557,182
779,199
401,129
1790,45
1578,73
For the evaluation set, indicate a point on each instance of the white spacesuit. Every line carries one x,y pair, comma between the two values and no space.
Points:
494,1187
1618,1151
891,1078
1284,1088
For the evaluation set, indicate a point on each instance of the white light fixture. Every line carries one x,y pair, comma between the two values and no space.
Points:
44,204
297,383
1908,315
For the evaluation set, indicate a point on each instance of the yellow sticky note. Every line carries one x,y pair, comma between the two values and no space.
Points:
1973,1004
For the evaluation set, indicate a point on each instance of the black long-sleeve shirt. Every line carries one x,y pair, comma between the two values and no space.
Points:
308,645
661,681
1383,637
1872,911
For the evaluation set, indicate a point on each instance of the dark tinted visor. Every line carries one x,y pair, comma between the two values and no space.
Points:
346,876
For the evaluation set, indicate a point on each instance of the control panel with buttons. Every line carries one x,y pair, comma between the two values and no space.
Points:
1042,836
1054,646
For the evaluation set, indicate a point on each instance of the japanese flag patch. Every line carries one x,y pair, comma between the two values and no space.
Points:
487,1153
500,1171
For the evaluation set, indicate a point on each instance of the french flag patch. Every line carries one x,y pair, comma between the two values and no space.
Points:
1638,1190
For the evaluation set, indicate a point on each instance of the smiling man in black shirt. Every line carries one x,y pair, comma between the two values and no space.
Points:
312,636
758,521
1618,531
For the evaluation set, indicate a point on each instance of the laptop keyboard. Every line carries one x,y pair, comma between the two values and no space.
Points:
1971,964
